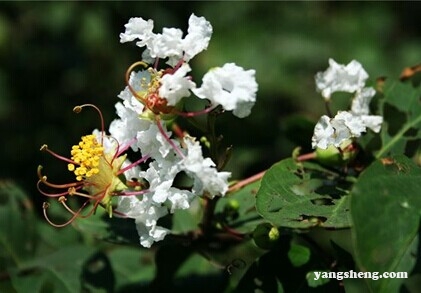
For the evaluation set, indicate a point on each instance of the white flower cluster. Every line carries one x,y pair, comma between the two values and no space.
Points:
346,124
230,86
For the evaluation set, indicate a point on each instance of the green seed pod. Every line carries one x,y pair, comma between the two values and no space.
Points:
333,156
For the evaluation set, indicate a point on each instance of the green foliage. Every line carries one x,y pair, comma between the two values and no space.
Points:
386,210
298,255
17,225
303,195
402,112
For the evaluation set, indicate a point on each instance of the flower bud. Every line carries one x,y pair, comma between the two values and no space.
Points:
231,208
333,156
265,235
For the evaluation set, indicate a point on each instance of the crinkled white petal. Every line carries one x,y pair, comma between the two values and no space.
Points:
137,28
340,78
230,86
167,44
146,56
150,234
205,175
146,215
179,199
323,133
374,122
152,142
198,37
361,101
353,123
345,125
176,86
170,44
125,129
342,132
161,191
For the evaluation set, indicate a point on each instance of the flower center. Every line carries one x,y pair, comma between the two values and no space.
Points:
149,90
87,155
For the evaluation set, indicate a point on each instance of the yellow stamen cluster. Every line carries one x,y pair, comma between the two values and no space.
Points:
87,155
149,85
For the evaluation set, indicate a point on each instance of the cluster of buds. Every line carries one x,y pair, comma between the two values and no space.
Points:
152,99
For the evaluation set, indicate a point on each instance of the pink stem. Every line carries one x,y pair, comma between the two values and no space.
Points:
161,129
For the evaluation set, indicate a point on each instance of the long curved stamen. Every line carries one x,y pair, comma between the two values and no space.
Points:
77,213
117,152
44,147
161,129
72,191
131,193
43,179
120,214
125,147
129,70
78,109
155,66
46,205
52,194
141,160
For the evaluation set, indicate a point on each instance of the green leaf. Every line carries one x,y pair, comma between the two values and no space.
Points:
187,220
17,225
400,107
300,195
298,255
132,265
97,274
238,210
61,271
101,226
386,205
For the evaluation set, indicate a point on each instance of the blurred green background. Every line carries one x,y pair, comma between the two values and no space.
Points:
55,55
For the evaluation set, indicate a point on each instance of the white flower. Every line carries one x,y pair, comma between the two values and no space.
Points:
334,131
151,141
360,107
345,125
323,133
149,234
137,28
353,123
340,78
206,177
374,122
167,44
361,101
146,215
230,86
160,178
170,44
125,129
176,86
198,37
